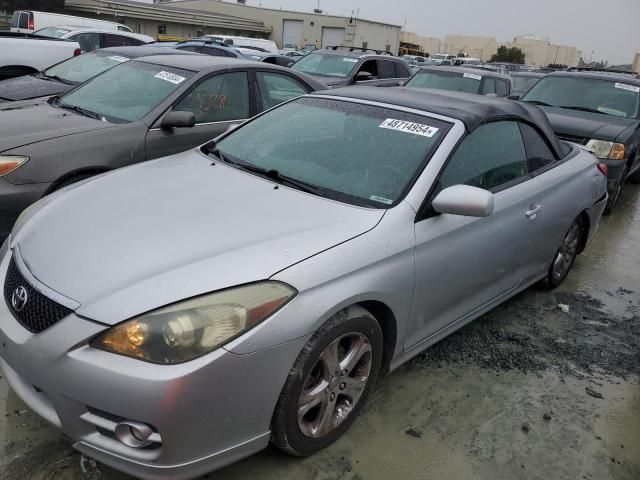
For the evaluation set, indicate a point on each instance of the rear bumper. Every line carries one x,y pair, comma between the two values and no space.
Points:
14,199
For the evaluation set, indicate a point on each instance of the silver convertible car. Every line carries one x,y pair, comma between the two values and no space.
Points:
178,315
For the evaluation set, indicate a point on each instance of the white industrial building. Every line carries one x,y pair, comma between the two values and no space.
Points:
191,18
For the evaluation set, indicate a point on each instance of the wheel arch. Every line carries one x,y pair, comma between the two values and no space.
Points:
586,229
388,324
78,173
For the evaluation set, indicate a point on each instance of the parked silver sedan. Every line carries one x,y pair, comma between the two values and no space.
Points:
178,315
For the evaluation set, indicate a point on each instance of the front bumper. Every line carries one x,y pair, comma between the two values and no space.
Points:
206,413
14,199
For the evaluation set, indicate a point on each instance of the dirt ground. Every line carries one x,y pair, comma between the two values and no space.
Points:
528,391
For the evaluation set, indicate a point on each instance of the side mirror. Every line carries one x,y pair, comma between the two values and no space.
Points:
178,120
363,77
464,200
514,97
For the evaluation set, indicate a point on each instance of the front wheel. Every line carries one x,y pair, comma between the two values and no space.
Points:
634,178
615,196
329,383
565,256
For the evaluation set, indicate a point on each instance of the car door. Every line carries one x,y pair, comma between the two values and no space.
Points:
275,88
465,264
217,102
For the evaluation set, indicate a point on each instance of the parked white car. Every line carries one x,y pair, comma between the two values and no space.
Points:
94,38
28,21
20,55
261,43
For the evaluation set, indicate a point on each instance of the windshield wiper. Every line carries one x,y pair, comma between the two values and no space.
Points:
80,110
582,109
538,102
272,174
56,78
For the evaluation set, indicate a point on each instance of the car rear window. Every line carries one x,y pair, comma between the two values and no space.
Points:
454,81
360,154
326,65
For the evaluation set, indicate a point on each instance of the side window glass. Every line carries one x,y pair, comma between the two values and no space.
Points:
24,20
218,99
213,51
501,88
276,88
490,157
489,86
539,154
110,40
87,41
188,48
402,71
371,67
386,69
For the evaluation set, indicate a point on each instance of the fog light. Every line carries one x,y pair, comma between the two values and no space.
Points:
134,434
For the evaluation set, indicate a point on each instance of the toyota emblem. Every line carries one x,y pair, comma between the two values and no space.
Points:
19,299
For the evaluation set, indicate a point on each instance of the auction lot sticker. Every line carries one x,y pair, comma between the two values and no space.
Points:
472,75
409,127
631,88
170,77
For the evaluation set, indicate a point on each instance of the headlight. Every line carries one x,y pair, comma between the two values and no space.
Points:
191,328
8,163
606,150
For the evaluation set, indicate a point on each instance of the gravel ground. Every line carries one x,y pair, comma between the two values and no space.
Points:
546,386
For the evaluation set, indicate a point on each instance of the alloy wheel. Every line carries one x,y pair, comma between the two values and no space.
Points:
334,385
567,252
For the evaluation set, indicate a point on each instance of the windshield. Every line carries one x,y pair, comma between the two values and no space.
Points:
521,85
358,154
326,65
81,68
51,32
608,97
443,80
127,92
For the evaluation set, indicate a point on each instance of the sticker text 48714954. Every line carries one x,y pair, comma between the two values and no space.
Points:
409,127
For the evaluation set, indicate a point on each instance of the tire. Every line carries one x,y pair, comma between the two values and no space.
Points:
613,199
566,255
353,330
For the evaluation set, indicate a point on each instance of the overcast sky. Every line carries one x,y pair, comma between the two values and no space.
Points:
610,28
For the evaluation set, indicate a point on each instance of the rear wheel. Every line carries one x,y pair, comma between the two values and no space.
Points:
565,256
329,383
615,196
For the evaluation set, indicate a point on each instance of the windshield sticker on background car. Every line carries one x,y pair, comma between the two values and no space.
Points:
350,60
118,58
409,127
472,75
376,198
170,77
631,88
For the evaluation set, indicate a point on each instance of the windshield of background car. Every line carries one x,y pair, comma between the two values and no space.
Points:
51,32
326,65
521,85
359,154
127,92
83,67
608,97
455,81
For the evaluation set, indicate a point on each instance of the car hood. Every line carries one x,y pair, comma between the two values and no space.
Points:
586,124
26,87
149,235
31,121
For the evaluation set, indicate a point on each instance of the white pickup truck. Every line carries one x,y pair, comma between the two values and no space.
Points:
22,54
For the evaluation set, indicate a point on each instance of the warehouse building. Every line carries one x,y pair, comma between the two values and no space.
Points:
191,18
427,44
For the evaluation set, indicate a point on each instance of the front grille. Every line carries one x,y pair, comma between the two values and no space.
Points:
572,138
39,312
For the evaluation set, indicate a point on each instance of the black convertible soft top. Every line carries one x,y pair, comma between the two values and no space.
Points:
472,110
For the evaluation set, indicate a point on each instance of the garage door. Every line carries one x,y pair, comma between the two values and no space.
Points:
332,36
292,32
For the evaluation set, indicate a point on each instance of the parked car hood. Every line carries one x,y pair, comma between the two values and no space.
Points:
30,121
586,124
29,86
149,235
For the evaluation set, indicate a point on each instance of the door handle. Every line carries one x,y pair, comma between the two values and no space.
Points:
534,211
